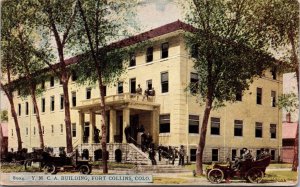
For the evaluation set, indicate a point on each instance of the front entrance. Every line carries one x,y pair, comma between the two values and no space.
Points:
86,132
134,124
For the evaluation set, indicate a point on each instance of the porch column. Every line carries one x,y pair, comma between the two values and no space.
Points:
81,127
126,118
92,126
112,125
155,124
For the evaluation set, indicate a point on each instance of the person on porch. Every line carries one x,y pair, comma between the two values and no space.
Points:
138,91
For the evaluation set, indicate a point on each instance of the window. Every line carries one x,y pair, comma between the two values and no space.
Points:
214,155
193,155
26,108
33,108
73,129
241,152
258,130
149,84
34,130
52,103
120,87
52,129
61,101
51,81
273,131
194,51
74,75
273,98
88,93
26,130
73,98
43,104
132,85
233,154
258,151
272,154
149,55
43,84
194,124
61,128
259,96
274,73
194,82
164,123
165,50
164,82
215,126
19,109
239,96
238,128
132,61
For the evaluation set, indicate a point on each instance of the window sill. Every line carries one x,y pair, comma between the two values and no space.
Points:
131,67
260,138
149,63
238,137
215,135
194,134
164,134
165,93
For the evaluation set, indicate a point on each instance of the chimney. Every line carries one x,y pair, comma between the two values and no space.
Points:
288,117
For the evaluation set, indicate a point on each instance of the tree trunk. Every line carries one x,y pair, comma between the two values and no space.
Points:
103,126
201,145
37,116
14,115
67,116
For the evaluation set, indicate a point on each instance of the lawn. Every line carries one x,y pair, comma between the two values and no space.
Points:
280,176
273,166
168,180
112,165
18,168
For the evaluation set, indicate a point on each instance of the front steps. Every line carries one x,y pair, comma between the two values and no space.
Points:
130,153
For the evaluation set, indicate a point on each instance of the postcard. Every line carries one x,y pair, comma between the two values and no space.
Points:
149,92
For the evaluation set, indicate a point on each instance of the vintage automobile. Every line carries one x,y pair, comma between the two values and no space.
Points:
252,171
53,164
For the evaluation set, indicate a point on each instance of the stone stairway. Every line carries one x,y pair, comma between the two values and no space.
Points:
129,152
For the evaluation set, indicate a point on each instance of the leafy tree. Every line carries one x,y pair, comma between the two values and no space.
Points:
100,23
4,116
9,10
55,19
281,22
288,102
227,48
27,57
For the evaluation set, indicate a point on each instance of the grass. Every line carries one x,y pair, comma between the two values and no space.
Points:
112,165
168,180
281,176
273,166
10,169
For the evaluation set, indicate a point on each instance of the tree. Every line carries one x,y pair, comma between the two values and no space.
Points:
281,22
4,116
227,48
102,23
58,18
27,57
9,10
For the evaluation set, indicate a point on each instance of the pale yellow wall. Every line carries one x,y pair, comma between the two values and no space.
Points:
177,102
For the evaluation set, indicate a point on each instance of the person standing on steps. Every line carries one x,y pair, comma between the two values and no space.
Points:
181,155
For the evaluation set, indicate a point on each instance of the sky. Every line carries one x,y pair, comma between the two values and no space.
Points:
150,14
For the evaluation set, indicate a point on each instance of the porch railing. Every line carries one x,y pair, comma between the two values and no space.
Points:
121,97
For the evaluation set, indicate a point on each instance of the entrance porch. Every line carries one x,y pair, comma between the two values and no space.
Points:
123,110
